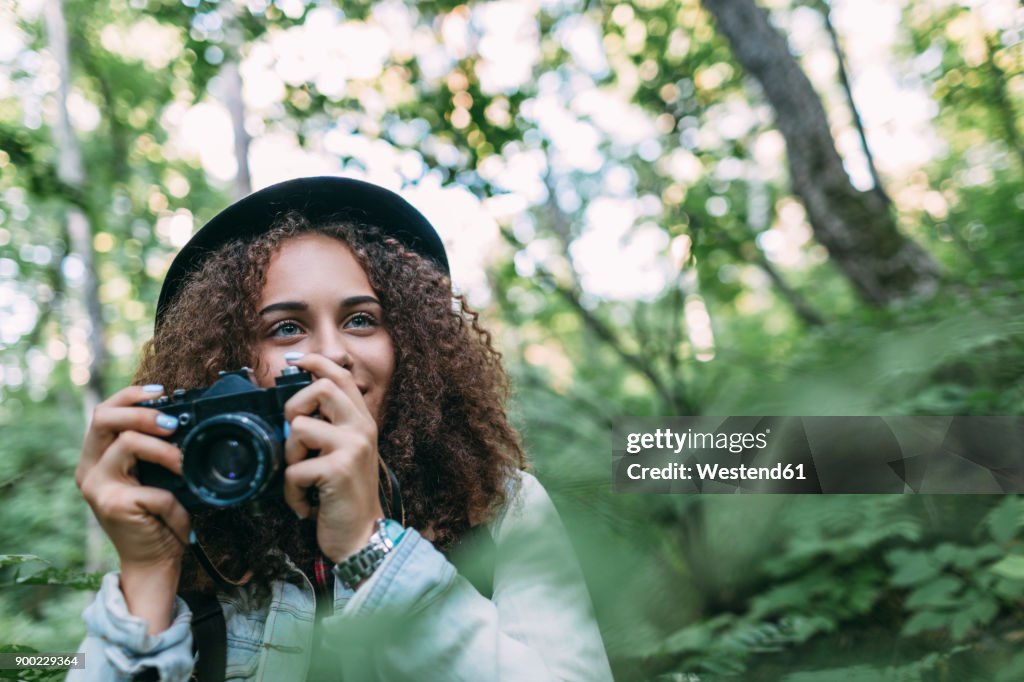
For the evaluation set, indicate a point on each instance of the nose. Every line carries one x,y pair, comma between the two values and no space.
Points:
331,344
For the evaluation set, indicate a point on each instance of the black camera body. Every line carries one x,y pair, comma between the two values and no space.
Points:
231,436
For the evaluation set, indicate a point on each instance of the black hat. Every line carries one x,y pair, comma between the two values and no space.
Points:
319,200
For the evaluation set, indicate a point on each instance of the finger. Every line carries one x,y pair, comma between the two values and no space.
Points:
345,452
324,398
130,395
298,479
335,476
134,505
110,421
130,446
307,433
117,414
324,368
107,417
163,504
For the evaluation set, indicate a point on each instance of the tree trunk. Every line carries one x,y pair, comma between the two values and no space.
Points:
235,104
79,239
231,77
856,227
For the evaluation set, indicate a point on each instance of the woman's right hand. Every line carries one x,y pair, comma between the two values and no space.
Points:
147,525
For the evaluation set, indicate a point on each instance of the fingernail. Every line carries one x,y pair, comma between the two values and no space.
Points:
301,517
166,421
293,355
287,430
153,388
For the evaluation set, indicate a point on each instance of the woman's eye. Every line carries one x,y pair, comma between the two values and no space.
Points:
286,329
361,321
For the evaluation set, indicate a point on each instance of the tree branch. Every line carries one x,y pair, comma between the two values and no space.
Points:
804,311
674,395
826,13
607,335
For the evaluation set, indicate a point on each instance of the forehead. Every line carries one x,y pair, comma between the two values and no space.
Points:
313,262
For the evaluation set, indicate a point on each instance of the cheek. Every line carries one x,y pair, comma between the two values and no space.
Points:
382,366
386,365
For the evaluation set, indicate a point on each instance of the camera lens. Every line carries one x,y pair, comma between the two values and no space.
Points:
230,458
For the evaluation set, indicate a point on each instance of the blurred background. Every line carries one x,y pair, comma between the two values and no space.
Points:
664,207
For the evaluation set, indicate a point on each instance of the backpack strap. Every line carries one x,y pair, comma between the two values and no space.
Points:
209,637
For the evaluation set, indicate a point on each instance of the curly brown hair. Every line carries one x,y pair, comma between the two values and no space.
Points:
444,432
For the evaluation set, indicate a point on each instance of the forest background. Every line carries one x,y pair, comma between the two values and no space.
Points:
663,207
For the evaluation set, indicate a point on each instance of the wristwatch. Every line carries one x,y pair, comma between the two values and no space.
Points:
362,564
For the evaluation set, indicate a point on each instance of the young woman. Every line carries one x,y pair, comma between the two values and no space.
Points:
346,281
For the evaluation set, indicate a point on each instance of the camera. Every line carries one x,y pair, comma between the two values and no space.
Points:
231,436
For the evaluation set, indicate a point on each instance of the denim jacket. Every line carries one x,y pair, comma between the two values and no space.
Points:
414,618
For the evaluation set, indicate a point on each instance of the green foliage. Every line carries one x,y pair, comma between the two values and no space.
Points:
48,574
914,671
946,593
48,582
797,589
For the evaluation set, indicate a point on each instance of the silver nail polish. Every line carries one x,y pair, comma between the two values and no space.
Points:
166,421
153,388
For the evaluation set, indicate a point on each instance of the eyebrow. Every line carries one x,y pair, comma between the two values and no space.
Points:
301,306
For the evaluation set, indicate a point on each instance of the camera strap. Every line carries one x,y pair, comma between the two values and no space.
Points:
390,494
224,583
209,637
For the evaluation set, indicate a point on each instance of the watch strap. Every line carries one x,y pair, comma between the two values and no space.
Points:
361,565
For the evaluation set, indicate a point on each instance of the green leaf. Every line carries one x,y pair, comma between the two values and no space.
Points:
1005,519
802,628
1007,589
979,612
911,568
1009,567
17,649
724,667
936,594
65,577
16,559
963,558
693,638
925,620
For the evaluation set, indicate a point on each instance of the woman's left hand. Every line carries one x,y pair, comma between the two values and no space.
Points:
346,472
